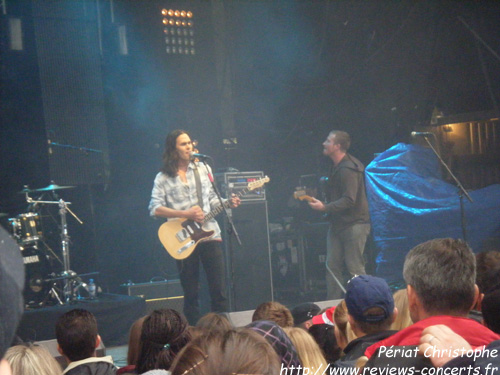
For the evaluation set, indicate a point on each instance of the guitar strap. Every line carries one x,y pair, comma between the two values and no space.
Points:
198,185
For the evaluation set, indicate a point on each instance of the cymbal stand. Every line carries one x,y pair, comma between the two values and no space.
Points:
67,275
63,209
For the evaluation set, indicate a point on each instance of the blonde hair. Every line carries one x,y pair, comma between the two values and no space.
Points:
32,360
309,352
403,318
342,326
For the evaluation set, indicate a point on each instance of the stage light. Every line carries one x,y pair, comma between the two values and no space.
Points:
179,38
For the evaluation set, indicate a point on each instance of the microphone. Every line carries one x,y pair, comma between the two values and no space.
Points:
422,134
195,155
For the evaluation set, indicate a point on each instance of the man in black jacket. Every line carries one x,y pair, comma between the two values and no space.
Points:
347,210
77,341
371,311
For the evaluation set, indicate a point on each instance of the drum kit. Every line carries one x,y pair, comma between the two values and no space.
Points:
43,286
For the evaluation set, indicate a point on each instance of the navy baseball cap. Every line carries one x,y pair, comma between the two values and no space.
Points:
364,292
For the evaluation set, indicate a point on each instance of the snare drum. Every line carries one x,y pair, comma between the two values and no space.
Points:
26,228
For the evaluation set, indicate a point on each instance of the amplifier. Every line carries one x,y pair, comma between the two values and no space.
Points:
235,182
166,294
154,290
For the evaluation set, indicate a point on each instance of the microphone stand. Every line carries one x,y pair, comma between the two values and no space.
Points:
461,189
232,229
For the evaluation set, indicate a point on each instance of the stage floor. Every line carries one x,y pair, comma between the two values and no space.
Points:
115,313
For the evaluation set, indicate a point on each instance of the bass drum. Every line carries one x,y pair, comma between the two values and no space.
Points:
37,270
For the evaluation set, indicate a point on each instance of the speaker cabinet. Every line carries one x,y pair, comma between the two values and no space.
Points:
248,266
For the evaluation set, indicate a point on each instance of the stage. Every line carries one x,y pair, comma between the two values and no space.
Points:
115,314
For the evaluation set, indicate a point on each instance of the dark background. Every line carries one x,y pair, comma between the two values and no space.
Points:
276,75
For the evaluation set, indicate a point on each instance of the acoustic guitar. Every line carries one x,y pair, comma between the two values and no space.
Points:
181,236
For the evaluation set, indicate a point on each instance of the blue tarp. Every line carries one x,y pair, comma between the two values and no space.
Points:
410,203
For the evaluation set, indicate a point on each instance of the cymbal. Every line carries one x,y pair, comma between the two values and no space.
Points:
3,214
52,187
25,190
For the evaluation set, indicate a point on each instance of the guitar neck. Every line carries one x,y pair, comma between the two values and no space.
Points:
227,204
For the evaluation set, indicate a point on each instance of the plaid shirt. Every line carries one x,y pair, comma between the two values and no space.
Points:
171,192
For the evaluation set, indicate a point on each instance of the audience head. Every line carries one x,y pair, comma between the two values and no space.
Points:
11,289
239,351
214,321
488,270
325,316
279,340
324,335
403,318
275,312
440,275
76,333
343,331
32,360
310,354
370,305
491,310
134,341
302,314
164,333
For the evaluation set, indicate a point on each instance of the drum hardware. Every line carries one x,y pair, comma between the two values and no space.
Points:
67,276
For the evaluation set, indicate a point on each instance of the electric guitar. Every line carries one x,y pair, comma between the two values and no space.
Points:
181,236
301,195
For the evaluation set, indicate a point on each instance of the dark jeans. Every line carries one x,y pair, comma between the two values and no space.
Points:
211,257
